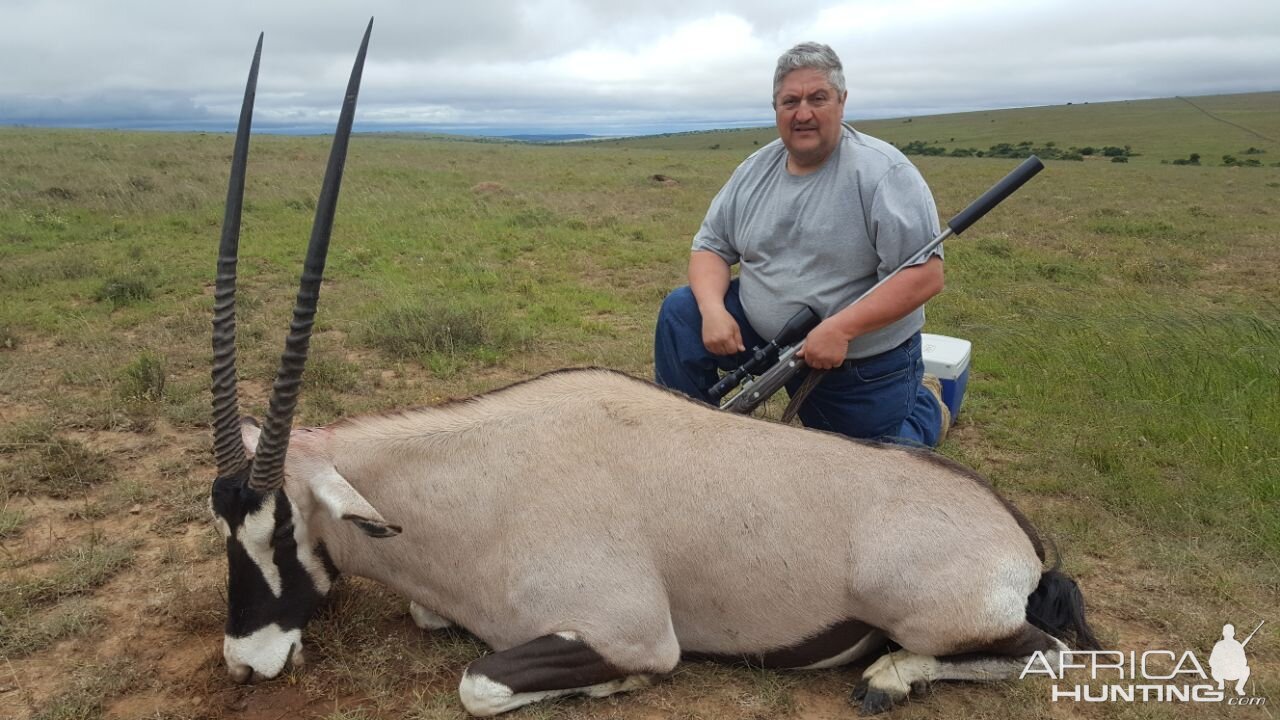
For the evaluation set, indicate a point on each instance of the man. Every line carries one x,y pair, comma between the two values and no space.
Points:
815,218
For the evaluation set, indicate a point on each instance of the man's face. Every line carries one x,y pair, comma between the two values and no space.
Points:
808,112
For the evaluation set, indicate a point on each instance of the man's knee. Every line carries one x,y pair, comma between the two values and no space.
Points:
680,306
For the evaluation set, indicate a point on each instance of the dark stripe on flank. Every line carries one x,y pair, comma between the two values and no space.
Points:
822,646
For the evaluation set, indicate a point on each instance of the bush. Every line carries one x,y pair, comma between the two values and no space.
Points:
416,330
121,291
1232,161
922,147
1005,150
1113,151
143,379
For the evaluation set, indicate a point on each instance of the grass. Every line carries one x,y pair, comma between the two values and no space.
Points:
90,687
1157,131
1123,392
22,635
58,467
424,329
78,571
120,291
11,522
39,608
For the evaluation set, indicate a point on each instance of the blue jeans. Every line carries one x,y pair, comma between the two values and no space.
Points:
875,398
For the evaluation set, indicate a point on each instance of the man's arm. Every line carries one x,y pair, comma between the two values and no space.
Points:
709,281
826,346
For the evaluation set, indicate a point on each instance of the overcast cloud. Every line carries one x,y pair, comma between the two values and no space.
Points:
605,67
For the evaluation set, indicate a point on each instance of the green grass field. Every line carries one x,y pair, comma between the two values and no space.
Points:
1125,389
1156,130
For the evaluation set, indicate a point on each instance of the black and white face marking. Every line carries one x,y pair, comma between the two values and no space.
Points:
276,577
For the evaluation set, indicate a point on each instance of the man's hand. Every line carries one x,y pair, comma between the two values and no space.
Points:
720,333
825,347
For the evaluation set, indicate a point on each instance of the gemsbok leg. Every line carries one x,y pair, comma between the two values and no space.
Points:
894,676
548,667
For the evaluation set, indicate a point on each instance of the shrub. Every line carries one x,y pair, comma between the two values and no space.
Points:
143,379
331,374
1232,161
412,331
922,147
122,291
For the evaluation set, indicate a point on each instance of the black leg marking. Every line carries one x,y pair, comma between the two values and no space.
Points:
548,667
551,662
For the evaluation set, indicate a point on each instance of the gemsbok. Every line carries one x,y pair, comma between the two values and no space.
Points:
593,528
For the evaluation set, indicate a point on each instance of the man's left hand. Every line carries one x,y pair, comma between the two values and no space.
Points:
825,347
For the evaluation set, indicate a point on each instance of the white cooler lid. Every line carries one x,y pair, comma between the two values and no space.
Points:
944,356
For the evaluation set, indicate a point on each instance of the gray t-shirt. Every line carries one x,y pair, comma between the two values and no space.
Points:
821,239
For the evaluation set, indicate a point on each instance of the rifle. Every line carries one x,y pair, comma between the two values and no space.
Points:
1255,632
762,357
756,391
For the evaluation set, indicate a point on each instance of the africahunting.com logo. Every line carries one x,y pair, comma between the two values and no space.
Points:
1152,675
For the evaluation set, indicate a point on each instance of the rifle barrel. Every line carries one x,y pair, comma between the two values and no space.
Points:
1255,631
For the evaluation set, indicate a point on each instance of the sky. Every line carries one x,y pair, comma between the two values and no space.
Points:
605,67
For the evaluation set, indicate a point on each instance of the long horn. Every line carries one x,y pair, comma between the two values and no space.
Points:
228,448
268,464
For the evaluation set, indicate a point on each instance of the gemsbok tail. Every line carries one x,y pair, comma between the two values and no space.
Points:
1057,607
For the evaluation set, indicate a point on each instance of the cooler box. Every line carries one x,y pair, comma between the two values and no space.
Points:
948,358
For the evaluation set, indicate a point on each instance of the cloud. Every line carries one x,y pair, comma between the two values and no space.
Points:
602,66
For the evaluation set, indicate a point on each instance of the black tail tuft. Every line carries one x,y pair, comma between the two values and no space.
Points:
1057,607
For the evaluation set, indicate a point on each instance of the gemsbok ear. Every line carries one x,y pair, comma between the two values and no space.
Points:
344,503
249,434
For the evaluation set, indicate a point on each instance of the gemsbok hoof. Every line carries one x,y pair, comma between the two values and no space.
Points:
876,701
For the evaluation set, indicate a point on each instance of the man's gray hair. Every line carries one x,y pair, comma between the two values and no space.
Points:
811,55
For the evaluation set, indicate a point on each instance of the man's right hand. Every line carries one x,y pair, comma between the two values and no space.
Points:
720,333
